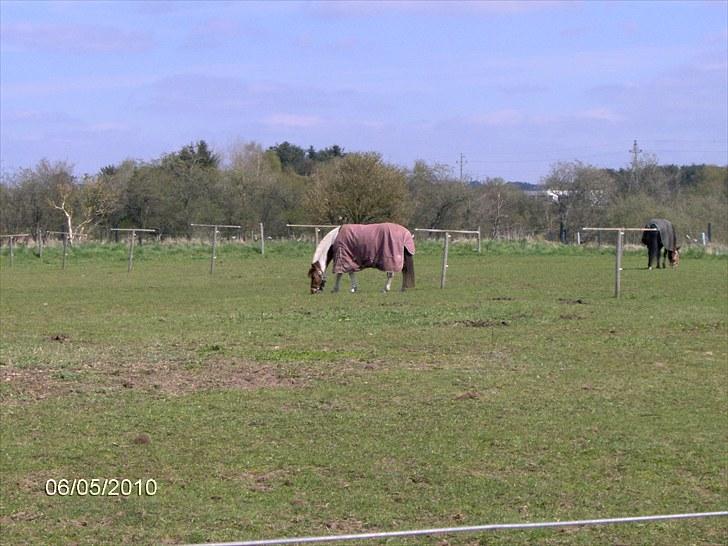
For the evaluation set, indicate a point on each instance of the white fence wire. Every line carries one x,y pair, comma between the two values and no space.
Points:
471,529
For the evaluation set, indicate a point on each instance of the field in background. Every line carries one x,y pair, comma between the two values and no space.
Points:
522,392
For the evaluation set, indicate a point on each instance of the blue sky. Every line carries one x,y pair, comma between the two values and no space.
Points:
513,86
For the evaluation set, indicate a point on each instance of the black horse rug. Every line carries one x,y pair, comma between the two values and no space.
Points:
666,231
665,236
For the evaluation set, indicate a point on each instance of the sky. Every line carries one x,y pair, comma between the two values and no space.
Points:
501,88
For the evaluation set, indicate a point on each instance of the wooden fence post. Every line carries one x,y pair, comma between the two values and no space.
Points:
131,251
213,256
262,240
443,272
316,229
11,239
618,252
618,265
130,261
65,250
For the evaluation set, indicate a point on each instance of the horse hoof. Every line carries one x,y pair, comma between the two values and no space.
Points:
353,290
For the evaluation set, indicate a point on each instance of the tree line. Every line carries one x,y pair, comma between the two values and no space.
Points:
288,184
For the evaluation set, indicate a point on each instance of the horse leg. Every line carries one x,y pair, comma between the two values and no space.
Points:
408,271
354,284
653,252
388,284
337,283
664,257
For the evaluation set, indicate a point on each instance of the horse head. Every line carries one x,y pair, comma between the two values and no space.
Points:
317,278
674,257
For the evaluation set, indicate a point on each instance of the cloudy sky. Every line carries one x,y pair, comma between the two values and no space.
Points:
513,86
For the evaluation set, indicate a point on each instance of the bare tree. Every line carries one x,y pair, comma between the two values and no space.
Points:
358,188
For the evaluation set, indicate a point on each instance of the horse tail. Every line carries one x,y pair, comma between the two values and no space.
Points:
408,271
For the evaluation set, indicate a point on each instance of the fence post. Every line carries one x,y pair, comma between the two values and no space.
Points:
131,252
65,249
479,247
262,240
12,254
40,244
214,250
444,260
215,227
618,265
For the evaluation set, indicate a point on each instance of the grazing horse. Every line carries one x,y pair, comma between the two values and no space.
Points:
353,247
665,237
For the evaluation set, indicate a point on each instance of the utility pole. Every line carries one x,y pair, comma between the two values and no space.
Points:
462,162
635,151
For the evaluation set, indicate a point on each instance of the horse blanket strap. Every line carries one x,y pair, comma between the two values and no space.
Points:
668,236
359,246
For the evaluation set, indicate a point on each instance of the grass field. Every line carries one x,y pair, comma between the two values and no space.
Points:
522,392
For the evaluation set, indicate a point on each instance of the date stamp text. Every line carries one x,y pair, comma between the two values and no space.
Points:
100,487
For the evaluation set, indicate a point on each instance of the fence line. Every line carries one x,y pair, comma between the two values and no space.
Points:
470,529
12,238
618,252
215,231
133,231
446,247
316,228
65,245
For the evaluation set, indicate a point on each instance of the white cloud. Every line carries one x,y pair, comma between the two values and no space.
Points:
293,121
499,118
600,114
69,38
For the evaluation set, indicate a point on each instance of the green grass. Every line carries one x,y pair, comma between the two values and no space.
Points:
522,392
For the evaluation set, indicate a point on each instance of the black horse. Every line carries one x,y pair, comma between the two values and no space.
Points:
665,237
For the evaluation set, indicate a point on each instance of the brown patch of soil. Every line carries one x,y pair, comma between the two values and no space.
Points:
23,385
346,526
481,323
578,301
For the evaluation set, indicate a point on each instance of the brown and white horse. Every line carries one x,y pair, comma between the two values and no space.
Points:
353,247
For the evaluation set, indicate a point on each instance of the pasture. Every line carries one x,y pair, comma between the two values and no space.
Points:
522,392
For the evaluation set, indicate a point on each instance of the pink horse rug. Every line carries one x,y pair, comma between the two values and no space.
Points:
383,246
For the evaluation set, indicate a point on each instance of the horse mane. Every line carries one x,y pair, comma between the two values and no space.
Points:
321,256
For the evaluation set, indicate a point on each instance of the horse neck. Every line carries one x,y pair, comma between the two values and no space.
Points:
322,250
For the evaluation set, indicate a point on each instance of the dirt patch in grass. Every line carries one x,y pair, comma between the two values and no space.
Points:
480,323
577,301
22,385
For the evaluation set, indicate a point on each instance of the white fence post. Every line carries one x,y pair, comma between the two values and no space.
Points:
214,240
133,231
618,253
